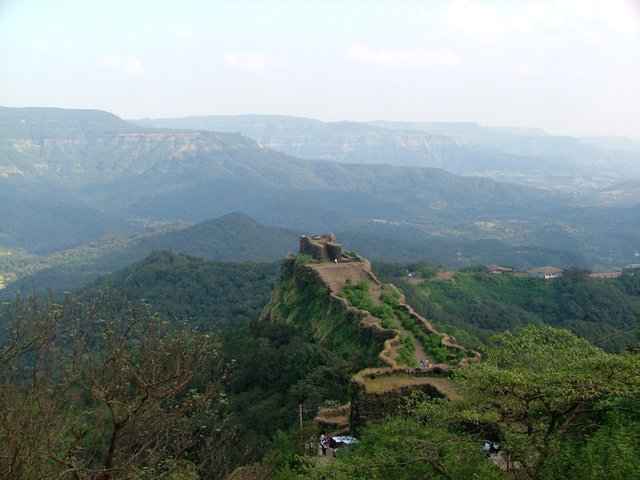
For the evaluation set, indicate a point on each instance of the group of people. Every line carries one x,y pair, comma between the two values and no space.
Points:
425,364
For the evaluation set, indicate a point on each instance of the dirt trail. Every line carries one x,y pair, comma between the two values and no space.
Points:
335,275
419,353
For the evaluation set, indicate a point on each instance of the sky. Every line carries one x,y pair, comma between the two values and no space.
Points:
571,67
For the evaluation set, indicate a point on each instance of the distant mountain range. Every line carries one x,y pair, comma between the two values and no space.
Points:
520,155
71,176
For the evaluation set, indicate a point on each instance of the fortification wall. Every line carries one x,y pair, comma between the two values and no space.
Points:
369,405
322,248
447,341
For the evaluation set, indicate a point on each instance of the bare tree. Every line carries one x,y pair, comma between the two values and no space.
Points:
102,389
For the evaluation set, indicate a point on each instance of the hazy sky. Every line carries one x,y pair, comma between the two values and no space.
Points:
568,66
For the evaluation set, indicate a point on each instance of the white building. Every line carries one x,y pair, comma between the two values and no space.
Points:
548,272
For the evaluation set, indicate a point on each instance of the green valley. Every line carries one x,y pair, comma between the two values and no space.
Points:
604,311
192,350
71,176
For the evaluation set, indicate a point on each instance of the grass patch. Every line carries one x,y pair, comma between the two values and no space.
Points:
405,353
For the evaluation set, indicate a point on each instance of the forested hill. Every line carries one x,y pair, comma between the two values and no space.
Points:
304,351
233,237
604,311
237,237
211,295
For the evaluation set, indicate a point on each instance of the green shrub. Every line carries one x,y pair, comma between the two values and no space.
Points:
405,354
386,323
390,297
357,295
305,259
382,311
407,322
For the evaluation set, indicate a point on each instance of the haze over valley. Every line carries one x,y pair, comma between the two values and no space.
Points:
319,240
72,176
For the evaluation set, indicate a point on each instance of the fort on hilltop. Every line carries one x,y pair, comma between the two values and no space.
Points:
407,352
322,248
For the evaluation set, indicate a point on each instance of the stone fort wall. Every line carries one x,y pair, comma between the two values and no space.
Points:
322,248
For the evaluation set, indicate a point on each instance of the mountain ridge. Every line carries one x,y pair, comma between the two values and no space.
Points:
236,237
167,176
465,148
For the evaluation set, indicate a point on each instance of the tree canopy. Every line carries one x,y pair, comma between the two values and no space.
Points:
101,389
551,404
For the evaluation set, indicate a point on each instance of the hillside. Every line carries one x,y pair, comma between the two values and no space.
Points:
604,311
340,306
519,155
331,337
332,340
383,246
211,295
42,218
403,350
234,237
144,177
613,143
237,237
600,158
312,342
625,193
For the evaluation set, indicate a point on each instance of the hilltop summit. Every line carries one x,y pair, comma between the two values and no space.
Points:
338,298
322,248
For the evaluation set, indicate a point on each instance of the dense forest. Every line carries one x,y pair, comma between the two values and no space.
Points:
475,302
174,368
209,294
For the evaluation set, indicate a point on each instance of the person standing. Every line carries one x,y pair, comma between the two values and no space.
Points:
323,444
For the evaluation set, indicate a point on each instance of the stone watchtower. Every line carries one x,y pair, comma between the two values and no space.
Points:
322,248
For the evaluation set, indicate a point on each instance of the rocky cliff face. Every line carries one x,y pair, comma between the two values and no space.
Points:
106,157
